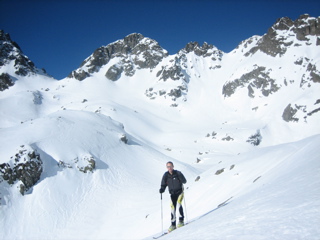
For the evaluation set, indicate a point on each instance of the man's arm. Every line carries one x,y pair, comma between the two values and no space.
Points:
163,183
182,178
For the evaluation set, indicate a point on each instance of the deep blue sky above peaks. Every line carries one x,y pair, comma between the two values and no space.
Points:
59,34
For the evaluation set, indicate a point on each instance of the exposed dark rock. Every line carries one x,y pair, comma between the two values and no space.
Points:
5,81
27,168
128,68
175,92
206,50
124,139
315,77
299,61
22,189
133,50
174,72
100,57
174,105
288,114
306,26
79,75
218,172
314,73
255,139
257,79
269,44
63,164
315,110
114,72
90,167
273,43
214,134
162,92
83,164
227,138
4,36
284,23
10,51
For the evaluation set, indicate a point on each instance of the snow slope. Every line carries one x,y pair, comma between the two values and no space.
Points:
273,194
104,140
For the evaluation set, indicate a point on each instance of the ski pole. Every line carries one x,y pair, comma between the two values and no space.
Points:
185,206
161,216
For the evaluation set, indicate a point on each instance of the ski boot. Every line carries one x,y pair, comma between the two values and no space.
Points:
171,228
180,224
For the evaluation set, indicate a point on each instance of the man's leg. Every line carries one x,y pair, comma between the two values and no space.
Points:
174,199
179,207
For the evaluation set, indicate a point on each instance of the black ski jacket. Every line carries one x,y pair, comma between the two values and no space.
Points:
174,182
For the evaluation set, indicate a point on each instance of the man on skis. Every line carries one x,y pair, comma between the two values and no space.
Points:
174,180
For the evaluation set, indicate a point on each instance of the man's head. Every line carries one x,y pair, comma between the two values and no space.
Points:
170,167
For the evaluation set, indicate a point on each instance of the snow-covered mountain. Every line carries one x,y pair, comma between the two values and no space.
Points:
82,157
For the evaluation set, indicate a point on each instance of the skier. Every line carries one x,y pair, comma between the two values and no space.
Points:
174,180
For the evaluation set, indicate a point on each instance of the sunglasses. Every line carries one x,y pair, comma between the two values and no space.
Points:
170,166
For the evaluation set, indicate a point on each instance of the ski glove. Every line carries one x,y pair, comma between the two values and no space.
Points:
161,190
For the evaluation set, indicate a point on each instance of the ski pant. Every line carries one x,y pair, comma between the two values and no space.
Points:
176,204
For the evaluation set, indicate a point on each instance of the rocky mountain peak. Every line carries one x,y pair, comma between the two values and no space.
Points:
11,54
133,39
206,50
307,26
135,52
284,23
303,26
4,36
285,32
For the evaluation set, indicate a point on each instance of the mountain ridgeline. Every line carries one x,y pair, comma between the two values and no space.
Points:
271,80
125,57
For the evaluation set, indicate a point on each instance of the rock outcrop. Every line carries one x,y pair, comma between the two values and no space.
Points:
257,80
25,166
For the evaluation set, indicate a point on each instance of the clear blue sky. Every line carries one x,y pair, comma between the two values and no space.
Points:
59,34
